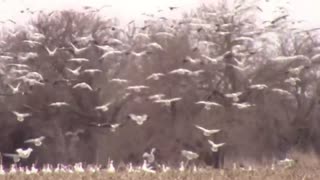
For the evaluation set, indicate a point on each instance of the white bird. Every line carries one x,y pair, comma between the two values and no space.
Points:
36,141
111,54
167,102
156,97
103,108
111,168
215,147
24,154
137,88
15,157
51,52
209,104
19,65
182,168
207,132
105,48
234,96
21,116
149,156
281,91
74,133
197,73
77,51
258,86
58,104
83,85
91,71
139,54
75,72
115,42
181,71
146,168
154,45
119,81
244,105
189,155
155,76
15,90
191,60
139,119
78,60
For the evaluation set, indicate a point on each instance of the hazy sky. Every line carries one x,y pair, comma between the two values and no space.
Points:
132,9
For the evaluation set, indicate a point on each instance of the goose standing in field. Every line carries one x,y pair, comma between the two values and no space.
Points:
111,168
215,147
145,167
149,156
208,132
36,141
21,116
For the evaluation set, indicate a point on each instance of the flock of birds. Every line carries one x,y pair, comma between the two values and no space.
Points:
24,76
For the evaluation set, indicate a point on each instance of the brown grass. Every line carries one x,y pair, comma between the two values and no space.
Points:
295,173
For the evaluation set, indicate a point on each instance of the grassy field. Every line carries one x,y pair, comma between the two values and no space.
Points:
295,173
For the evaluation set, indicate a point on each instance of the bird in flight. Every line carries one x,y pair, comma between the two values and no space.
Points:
215,147
21,116
113,127
36,141
139,119
207,132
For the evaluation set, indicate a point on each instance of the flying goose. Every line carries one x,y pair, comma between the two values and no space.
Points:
36,141
21,116
103,108
139,119
51,52
155,76
209,104
15,90
137,88
75,72
207,132
214,147
189,155
83,85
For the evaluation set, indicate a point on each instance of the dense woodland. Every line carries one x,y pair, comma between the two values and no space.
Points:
81,80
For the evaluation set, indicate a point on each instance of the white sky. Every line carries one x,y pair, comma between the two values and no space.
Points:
128,10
